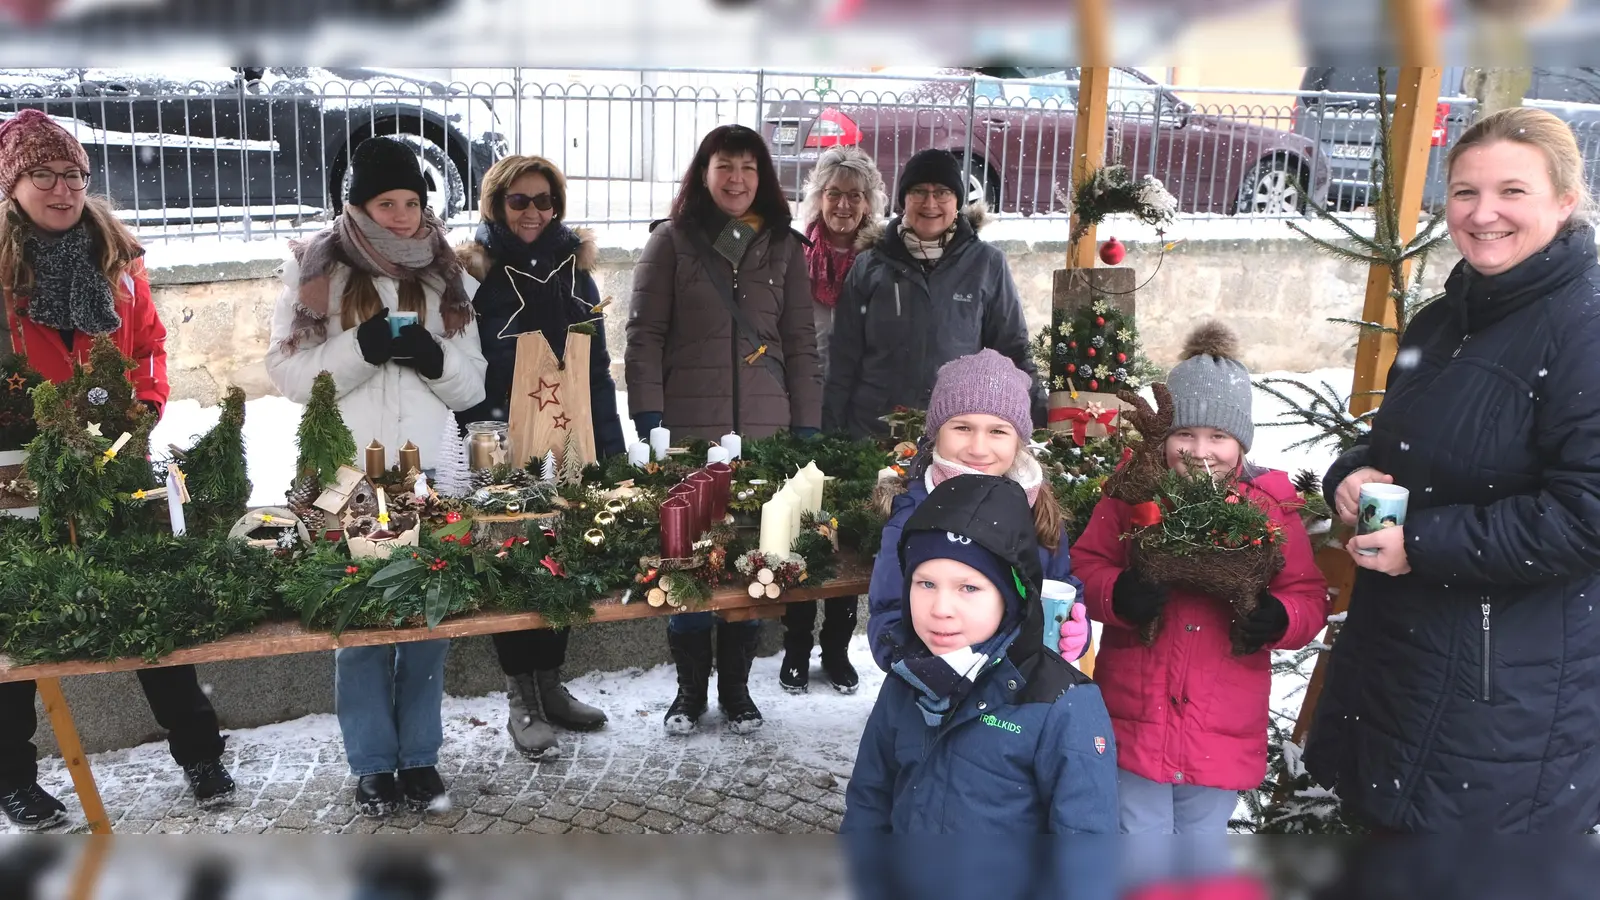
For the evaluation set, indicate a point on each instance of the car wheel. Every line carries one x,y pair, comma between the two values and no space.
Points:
447,192
1273,187
983,184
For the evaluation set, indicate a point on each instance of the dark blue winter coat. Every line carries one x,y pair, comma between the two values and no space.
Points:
566,296
1465,695
888,583
1029,750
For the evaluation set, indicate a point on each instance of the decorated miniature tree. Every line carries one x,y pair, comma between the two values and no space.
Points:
66,462
102,398
219,484
452,474
324,440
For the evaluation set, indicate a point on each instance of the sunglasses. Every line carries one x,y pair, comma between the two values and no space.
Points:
519,202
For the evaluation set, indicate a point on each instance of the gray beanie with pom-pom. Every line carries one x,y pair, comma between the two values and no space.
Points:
1210,387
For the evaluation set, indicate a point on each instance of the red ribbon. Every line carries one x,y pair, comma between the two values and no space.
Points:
1080,419
1147,514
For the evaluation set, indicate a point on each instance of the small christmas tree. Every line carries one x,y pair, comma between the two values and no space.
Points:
547,470
219,484
452,474
67,463
325,441
101,394
1094,349
571,461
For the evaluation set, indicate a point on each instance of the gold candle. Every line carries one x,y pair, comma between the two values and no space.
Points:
410,459
376,464
480,451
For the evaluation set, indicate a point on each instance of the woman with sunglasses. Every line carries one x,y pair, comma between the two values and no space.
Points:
69,271
535,275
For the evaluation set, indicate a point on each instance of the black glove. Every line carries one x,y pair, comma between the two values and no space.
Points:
1137,601
1264,626
643,422
374,338
416,348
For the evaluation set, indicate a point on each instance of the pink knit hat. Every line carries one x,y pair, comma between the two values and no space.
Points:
986,382
29,140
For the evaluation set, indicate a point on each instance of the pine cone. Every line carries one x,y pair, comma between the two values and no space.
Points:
1307,482
315,520
303,492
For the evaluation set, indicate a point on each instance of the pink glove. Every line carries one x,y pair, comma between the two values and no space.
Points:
1075,633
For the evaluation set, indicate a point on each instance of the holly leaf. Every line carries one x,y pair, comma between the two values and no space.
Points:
437,603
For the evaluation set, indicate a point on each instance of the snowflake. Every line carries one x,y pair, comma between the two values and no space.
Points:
288,538
98,396
1065,329
1125,335
1101,307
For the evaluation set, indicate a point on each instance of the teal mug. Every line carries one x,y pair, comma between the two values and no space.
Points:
399,320
1381,506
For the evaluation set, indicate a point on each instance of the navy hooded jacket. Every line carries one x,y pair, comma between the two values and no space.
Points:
1029,749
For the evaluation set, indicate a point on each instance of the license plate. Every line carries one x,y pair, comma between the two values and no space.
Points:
785,134
1352,151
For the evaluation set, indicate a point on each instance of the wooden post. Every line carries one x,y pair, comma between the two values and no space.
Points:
1088,150
1411,135
86,880
55,706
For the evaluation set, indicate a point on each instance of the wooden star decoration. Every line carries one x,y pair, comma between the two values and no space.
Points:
94,429
497,456
555,396
562,421
16,382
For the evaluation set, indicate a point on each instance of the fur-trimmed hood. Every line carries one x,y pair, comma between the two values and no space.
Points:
475,257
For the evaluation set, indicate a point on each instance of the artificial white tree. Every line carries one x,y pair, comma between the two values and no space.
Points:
452,476
547,471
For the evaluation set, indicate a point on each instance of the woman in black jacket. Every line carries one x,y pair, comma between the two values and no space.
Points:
523,202
1464,690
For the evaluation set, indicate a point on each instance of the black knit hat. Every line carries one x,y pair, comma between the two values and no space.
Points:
930,167
380,165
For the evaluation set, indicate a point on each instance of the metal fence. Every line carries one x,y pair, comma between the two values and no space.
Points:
265,153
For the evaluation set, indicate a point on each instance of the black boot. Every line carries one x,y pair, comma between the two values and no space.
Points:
209,781
691,651
795,673
30,808
424,790
838,624
736,650
377,795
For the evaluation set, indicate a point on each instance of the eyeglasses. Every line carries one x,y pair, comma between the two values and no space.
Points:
855,197
940,194
519,202
45,179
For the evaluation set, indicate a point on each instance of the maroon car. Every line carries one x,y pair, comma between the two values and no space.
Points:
1016,130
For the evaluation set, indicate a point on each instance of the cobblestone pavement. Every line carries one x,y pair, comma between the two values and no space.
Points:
630,778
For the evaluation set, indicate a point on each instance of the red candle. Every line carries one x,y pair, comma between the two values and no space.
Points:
721,489
699,504
677,521
706,488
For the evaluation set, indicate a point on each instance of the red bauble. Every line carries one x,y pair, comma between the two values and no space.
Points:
1100,321
1094,385
1072,345
1091,352
1122,357
1072,368
1112,251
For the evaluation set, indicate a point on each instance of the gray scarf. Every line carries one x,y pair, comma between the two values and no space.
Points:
69,290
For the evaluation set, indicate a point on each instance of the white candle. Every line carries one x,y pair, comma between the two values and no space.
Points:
777,523
814,482
660,440
797,508
639,454
175,500
733,444
716,455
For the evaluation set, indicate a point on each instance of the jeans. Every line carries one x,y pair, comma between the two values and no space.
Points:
689,623
1149,807
388,700
534,650
175,699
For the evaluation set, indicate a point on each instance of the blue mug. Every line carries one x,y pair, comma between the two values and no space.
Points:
1381,506
399,320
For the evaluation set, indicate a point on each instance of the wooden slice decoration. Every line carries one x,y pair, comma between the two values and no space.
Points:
773,591
674,602
549,399
656,597
666,583
764,576
757,590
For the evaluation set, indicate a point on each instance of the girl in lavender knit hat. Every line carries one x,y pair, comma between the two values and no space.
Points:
979,422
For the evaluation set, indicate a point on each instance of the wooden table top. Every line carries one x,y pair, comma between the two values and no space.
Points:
281,638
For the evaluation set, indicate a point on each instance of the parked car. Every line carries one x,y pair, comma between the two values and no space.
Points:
1344,121
220,139
1014,127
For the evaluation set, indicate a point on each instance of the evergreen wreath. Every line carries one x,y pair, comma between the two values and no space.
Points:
1112,190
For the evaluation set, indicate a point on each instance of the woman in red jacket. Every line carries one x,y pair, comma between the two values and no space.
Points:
1189,715
69,270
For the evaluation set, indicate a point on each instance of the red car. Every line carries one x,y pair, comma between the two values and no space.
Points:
1016,131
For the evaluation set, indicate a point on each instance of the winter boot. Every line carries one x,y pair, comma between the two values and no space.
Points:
838,624
377,795
561,708
736,651
794,674
424,790
691,651
30,808
530,733
209,781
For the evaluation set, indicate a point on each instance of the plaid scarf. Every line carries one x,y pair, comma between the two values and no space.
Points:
357,241
826,264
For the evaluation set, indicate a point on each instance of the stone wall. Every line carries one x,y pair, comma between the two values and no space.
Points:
1277,293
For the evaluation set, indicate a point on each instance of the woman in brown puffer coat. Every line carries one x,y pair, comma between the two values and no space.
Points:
721,338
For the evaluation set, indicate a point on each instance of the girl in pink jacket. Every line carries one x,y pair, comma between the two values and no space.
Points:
1190,716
